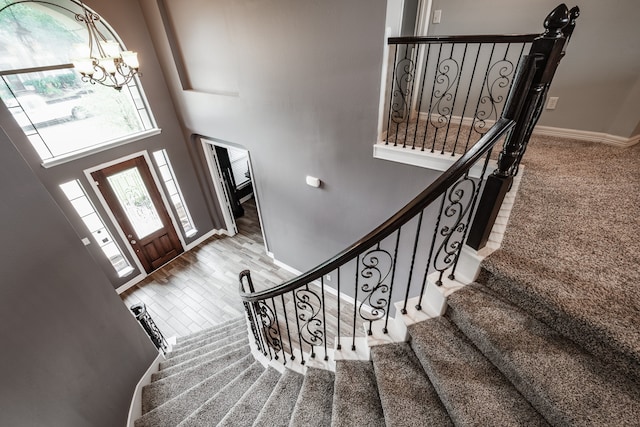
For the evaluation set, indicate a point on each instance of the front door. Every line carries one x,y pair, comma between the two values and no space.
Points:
135,201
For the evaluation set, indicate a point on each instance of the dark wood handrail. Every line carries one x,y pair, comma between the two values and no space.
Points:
404,215
473,38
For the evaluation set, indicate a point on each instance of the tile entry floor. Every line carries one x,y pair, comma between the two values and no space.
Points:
199,289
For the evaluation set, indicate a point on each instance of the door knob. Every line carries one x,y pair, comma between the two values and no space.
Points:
129,236
133,242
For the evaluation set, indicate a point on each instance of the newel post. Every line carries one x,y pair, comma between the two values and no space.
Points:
525,107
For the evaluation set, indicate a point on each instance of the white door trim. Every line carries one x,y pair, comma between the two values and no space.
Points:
216,177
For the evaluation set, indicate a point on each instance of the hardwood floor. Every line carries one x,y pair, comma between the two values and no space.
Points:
199,289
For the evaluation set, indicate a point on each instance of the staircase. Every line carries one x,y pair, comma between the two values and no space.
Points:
485,362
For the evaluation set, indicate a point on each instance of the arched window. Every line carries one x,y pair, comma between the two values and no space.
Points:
62,115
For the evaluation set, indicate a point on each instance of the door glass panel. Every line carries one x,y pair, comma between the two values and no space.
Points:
135,200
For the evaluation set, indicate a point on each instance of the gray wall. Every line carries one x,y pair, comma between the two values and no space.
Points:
71,353
602,66
308,82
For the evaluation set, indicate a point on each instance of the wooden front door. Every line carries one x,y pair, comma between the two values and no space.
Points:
135,201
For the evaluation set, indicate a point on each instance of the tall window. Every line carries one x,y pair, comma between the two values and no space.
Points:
61,114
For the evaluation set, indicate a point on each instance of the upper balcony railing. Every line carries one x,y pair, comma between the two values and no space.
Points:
445,92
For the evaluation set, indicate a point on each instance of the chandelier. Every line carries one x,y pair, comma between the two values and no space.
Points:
106,64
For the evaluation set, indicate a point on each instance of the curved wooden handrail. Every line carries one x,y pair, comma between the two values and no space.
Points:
404,215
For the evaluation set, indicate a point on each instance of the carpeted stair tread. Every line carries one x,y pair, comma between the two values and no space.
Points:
566,384
197,360
570,253
174,411
203,350
208,339
214,409
405,391
158,392
580,316
278,408
315,400
356,408
246,410
196,336
473,391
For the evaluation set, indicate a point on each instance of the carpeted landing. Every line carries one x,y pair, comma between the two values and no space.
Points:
485,362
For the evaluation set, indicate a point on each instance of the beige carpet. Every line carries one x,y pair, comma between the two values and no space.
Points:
571,253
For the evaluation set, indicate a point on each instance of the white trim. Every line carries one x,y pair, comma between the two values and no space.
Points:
257,199
383,81
58,160
426,159
584,135
131,283
205,237
221,192
581,135
135,409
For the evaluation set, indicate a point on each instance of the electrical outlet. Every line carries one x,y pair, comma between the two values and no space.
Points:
437,16
553,101
327,277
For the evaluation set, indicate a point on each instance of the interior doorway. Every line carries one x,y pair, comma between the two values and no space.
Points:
131,194
233,179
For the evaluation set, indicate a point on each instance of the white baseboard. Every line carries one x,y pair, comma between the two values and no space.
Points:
583,135
221,232
135,410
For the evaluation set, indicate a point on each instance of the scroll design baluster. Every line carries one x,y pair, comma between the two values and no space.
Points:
377,266
496,89
254,329
270,328
404,78
459,201
309,305
447,74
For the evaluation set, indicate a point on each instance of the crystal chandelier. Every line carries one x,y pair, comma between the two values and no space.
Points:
106,64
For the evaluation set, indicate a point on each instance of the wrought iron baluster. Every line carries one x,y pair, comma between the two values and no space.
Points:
430,257
433,88
339,345
484,82
286,320
324,318
450,247
424,75
466,101
311,333
374,268
393,80
413,259
455,98
295,305
355,303
279,335
447,72
393,275
146,321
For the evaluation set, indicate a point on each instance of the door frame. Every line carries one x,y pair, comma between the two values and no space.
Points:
114,221
223,197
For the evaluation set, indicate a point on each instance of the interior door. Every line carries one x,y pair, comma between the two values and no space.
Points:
135,201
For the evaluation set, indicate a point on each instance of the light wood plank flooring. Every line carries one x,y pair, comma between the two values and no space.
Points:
199,289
